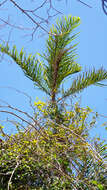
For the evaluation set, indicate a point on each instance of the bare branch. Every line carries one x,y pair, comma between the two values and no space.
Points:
38,21
2,3
84,4
6,22
20,92
39,7
10,179
23,11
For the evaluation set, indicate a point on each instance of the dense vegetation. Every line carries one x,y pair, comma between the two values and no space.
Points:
56,151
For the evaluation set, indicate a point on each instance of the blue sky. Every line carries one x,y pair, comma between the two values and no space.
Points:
91,51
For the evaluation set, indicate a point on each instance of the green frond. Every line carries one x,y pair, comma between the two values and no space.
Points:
86,79
30,66
60,54
60,61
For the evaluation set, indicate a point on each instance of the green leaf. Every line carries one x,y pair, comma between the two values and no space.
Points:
86,79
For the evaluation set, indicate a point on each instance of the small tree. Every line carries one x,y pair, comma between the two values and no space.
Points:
56,155
59,62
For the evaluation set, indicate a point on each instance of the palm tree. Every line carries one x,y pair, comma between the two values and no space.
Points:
58,62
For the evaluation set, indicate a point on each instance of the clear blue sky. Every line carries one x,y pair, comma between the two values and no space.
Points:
92,51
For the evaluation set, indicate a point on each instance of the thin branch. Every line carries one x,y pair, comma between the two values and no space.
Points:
17,116
20,92
24,120
30,13
85,4
23,11
10,179
14,26
39,7
16,123
2,3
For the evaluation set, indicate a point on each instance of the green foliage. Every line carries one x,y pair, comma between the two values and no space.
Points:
56,153
58,62
31,66
54,161
85,80
60,54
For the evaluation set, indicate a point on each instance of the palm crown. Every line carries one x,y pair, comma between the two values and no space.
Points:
59,62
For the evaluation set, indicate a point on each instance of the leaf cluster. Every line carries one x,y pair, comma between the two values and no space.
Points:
63,159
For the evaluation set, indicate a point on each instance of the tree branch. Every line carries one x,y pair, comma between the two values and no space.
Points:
10,179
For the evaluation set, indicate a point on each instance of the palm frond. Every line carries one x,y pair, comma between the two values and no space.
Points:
86,79
60,54
30,66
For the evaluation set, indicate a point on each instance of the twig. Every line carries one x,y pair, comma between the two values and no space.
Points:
23,11
37,7
20,92
12,25
10,179
3,2
84,4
